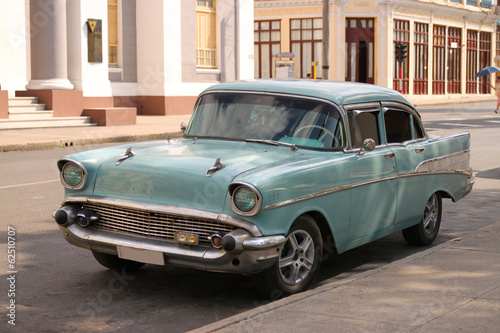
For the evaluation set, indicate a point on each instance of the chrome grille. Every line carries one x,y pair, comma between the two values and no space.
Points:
151,224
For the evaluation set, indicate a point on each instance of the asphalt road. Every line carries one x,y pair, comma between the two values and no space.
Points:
62,288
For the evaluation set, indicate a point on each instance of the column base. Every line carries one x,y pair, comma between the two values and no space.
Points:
50,84
4,104
64,103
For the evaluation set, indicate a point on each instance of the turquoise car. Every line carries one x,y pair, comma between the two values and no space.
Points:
266,175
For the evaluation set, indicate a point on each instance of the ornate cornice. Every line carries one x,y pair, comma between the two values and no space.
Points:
485,15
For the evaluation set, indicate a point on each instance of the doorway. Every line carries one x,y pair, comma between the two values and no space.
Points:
359,50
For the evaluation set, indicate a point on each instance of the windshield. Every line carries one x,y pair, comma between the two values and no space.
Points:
240,116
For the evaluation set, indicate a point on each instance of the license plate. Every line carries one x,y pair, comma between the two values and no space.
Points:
141,255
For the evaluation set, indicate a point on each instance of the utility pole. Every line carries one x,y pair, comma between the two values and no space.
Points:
326,39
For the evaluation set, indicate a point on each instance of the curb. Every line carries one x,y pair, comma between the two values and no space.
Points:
62,143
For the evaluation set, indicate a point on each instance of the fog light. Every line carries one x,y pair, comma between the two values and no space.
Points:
86,217
216,240
186,238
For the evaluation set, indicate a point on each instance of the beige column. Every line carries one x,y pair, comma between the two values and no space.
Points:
49,60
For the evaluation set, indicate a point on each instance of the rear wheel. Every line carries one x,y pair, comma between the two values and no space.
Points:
112,261
298,263
426,231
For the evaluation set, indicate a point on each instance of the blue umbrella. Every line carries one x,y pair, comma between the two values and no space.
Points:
487,70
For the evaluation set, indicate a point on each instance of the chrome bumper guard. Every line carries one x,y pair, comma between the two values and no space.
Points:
470,183
251,255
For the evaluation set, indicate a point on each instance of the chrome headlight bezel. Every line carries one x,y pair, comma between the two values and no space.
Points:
63,165
240,187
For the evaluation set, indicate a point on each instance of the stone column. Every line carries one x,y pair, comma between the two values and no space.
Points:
49,60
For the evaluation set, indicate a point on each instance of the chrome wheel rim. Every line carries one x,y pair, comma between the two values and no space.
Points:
297,258
431,214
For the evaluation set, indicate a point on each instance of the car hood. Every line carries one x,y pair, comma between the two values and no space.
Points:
175,173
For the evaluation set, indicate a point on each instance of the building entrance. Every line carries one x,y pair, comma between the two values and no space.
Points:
359,49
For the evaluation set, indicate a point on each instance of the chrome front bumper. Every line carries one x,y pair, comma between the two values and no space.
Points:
250,255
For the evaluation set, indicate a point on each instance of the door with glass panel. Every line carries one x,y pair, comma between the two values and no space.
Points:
359,46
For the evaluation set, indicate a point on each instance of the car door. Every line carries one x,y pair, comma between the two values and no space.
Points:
373,178
406,138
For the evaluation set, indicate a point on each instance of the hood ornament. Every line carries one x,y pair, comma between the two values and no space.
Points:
129,153
216,167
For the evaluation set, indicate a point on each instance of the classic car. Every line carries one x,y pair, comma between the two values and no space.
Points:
265,175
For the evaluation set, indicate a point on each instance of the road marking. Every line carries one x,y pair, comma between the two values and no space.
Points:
493,121
458,125
433,129
29,184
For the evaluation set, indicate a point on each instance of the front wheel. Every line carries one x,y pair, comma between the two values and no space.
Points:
426,231
298,263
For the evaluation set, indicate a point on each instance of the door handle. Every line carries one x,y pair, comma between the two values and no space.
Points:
389,156
419,150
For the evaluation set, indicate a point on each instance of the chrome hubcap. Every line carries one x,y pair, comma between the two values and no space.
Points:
431,214
297,257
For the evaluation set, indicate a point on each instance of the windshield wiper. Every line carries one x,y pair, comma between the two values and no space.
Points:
273,142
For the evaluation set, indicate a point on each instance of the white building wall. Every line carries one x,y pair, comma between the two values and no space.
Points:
91,78
14,43
244,40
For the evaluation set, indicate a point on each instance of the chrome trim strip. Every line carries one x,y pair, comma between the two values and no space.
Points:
456,161
167,209
347,187
441,138
327,192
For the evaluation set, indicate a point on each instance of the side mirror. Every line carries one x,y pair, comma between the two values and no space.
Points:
368,145
183,127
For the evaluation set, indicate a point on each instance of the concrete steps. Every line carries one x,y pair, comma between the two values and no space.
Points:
26,112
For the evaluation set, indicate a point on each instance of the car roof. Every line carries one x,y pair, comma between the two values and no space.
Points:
338,92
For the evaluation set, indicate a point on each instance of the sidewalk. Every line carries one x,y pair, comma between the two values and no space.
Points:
452,287
147,128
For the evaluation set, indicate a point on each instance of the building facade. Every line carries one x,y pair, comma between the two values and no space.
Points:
154,55
446,42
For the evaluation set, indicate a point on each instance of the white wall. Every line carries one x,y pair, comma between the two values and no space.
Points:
91,78
13,43
245,40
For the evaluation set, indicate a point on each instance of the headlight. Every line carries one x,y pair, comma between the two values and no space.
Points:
245,199
73,174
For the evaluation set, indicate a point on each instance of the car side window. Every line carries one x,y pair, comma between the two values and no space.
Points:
364,125
418,131
397,126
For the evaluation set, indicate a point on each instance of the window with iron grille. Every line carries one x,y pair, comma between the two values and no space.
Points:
454,60
484,60
421,44
306,41
401,34
471,67
439,60
267,43
113,33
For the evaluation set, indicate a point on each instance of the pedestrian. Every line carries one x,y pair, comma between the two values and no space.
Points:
497,92
309,76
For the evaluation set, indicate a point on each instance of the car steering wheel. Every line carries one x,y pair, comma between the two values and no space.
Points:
327,132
